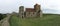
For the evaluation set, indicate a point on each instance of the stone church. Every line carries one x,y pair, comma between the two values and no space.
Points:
30,12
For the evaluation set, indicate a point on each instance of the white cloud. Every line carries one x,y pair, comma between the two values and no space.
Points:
28,3
51,4
8,6
13,5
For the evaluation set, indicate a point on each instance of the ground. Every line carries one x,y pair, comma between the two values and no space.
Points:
46,20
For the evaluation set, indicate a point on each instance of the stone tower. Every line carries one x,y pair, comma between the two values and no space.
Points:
38,10
21,11
36,7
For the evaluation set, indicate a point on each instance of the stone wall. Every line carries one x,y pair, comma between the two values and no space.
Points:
30,14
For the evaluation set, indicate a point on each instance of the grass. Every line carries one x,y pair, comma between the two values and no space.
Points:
14,21
46,20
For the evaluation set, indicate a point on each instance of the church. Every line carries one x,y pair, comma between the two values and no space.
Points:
30,12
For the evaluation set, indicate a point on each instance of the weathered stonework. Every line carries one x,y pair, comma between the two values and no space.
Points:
21,11
30,12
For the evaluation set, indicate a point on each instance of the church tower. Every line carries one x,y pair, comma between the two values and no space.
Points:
38,10
36,7
21,11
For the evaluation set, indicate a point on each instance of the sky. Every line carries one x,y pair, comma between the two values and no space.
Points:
47,6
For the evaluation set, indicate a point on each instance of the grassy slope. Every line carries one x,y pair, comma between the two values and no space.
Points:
46,20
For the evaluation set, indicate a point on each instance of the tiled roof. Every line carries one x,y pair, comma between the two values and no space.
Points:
30,10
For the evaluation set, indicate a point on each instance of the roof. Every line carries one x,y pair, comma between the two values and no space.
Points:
30,10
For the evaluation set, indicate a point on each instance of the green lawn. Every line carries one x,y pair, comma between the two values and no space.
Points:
46,20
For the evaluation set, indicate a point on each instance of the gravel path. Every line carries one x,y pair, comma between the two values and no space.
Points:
5,21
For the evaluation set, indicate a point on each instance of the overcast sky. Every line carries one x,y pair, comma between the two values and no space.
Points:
48,6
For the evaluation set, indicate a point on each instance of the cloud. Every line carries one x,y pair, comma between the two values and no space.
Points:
51,4
7,6
13,5
28,3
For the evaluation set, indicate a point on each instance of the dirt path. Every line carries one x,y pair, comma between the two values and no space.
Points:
5,22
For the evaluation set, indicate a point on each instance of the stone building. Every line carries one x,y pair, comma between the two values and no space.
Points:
30,12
